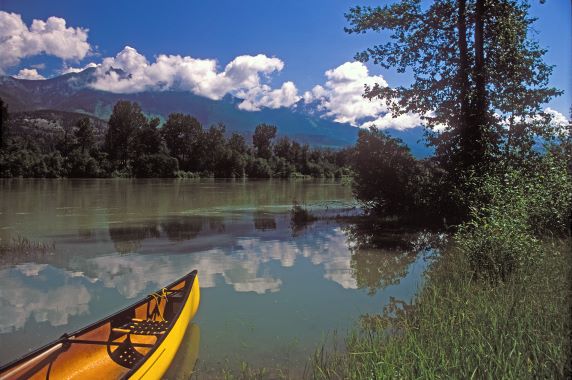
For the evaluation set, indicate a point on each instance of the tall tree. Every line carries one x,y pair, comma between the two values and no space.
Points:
214,148
183,136
283,148
474,66
125,120
262,140
147,140
84,134
237,143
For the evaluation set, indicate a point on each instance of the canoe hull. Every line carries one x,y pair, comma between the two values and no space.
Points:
158,363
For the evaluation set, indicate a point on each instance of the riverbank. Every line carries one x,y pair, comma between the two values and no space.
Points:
460,327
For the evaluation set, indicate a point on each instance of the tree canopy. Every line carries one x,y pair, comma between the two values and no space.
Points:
477,74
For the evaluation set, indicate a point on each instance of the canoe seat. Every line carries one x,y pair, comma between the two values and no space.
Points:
144,327
125,354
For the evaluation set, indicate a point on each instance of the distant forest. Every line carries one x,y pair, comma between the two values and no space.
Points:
134,145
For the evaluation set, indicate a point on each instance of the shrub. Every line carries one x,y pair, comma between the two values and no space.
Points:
384,170
300,216
258,168
155,166
510,211
82,165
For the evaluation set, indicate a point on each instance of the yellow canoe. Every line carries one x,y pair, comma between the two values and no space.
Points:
138,342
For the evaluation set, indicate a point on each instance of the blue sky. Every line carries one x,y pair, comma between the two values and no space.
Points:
307,36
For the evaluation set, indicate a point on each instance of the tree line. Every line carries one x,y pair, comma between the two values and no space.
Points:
137,146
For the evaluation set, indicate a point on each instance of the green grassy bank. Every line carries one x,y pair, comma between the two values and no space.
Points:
461,327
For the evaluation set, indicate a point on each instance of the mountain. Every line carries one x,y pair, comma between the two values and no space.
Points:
71,93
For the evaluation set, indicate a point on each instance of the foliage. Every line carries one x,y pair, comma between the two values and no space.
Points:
84,134
3,123
137,146
511,209
156,165
385,172
300,216
258,168
471,60
124,121
183,134
80,164
461,328
262,140
147,140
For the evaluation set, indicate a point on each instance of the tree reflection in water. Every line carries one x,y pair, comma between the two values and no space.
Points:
128,238
182,228
380,255
264,221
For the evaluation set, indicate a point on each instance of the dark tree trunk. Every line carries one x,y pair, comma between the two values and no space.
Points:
463,79
479,122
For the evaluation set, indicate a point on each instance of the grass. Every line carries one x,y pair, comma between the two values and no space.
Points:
21,245
463,328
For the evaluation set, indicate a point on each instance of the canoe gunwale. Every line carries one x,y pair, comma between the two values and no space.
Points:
67,339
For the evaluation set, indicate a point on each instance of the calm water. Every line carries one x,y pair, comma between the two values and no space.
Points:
270,295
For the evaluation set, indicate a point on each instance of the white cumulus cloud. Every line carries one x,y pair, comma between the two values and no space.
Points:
558,118
341,98
52,37
130,72
30,74
68,69
401,122
264,96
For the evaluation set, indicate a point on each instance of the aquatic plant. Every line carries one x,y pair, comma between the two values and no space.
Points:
300,216
22,245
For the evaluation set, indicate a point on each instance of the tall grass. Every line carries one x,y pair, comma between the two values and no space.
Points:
22,245
463,328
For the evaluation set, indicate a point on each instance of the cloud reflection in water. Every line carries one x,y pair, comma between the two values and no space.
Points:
25,294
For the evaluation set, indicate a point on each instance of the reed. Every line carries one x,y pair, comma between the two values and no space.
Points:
21,245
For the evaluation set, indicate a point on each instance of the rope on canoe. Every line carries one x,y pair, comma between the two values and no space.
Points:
158,297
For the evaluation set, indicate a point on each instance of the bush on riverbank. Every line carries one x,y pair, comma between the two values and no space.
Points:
462,328
511,211
300,216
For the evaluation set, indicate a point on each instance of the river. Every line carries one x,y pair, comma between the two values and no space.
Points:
270,294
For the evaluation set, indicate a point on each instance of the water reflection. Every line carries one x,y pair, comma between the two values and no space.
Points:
380,256
267,294
344,254
29,291
128,238
183,365
183,228
264,221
